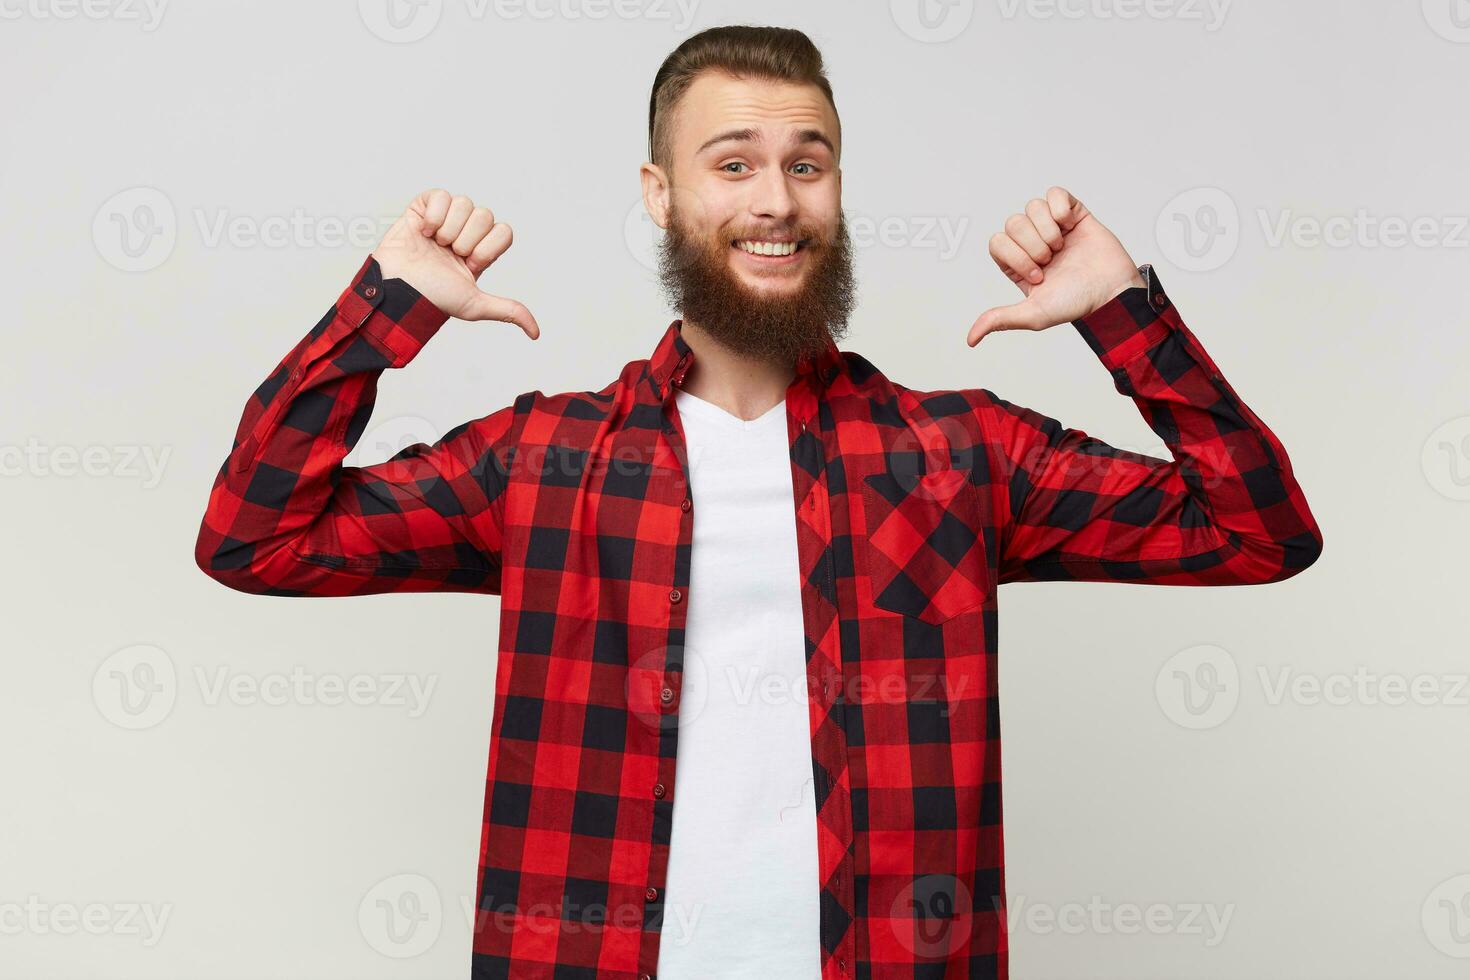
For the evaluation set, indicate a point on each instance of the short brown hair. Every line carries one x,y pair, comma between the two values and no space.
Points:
781,54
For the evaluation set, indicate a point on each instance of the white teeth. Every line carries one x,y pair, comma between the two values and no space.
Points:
768,248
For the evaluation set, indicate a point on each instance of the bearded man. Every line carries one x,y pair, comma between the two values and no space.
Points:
746,720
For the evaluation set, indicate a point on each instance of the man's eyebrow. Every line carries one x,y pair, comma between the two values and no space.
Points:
749,135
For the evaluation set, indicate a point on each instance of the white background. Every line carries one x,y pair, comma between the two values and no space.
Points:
1328,833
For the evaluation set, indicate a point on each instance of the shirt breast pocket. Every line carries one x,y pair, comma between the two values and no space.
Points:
924,552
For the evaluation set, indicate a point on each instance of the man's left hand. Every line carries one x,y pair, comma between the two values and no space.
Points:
1063,259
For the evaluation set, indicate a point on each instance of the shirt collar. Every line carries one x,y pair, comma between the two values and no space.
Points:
673,357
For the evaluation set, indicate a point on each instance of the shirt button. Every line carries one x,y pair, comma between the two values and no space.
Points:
685,504
666,695
644,976
675,595
370,292
650,893
658,790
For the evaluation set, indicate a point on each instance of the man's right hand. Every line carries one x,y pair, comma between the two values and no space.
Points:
440,246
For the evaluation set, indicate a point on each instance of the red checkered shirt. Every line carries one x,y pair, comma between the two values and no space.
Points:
910,507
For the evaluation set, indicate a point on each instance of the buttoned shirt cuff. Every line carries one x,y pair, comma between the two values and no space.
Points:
1128,324
407,321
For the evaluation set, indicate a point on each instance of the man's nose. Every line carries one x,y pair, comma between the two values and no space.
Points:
771,197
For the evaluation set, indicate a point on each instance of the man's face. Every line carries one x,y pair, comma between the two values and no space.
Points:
756,251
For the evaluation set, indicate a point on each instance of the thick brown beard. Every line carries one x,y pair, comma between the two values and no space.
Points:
698,282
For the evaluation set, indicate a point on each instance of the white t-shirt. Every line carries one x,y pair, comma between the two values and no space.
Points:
742,892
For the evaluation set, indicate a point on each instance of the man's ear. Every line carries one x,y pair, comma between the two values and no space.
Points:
655,193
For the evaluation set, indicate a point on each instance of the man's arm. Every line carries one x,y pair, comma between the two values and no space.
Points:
285,517
1226,510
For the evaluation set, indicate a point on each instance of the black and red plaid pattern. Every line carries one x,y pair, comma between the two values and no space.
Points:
911,508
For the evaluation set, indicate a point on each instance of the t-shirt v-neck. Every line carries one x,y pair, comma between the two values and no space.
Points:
743,887
689,402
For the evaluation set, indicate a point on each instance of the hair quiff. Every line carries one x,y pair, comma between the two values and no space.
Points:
781,54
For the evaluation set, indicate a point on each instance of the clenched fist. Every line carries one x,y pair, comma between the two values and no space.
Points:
440,246
1064,260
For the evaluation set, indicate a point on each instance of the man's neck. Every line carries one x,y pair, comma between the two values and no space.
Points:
746,387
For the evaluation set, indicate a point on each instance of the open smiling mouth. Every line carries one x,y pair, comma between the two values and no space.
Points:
770,251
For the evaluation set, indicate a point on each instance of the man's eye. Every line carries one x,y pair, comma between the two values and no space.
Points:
812,167
732,163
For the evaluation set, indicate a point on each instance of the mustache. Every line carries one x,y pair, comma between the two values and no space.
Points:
806,234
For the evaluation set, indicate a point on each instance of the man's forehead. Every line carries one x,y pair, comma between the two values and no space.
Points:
718,104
